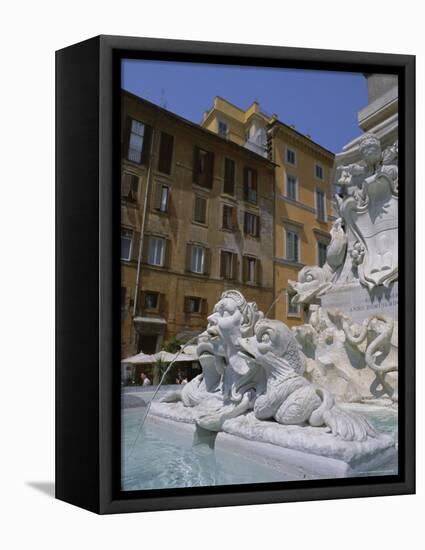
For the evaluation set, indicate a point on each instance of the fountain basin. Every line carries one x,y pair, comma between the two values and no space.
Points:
177,453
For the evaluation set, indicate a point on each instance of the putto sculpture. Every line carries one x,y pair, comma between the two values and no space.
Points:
254,364
364,237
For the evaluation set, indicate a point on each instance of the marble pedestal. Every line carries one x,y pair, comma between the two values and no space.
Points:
357,302
291,452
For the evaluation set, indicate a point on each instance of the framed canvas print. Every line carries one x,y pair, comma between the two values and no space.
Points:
235,274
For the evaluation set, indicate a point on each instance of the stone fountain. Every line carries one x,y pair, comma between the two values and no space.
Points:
280,396
255,395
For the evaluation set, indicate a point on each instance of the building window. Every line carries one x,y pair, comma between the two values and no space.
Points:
200,210
250,185
162,196
123,296
138,138
292,246
251,224
126,244
223,129
320,205
318,171
229,217
151,300
291,187
292,310
290,156
251,270
198,259
193,304
228,265
203,167
129,187
156,254
321,253
229,176
165,153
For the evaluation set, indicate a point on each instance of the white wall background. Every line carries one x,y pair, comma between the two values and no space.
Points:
30,32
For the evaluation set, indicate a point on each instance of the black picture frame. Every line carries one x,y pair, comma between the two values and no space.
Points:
87,294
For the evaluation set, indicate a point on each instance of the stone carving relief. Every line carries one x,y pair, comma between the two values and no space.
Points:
364,238
254,365
357,362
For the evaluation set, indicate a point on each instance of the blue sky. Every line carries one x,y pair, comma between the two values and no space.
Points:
320,103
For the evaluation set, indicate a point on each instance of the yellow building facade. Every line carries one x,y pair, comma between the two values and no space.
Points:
303,191
197,217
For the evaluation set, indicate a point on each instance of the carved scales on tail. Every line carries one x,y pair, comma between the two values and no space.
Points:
289,398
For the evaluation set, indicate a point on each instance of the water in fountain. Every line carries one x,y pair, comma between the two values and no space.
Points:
139,431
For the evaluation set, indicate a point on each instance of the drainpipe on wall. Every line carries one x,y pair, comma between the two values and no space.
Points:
142,230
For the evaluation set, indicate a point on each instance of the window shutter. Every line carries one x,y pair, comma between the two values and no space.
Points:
229,176
234,218
157,196
196,164
210,170
254,180
289,246
147,137
161,304
125,184
200,209
245,183
207,261
258,271
245,222
222,264
145,251
188,257
204,306
165,153
244,269
142,301
257,234
187,304
135,246
295,247
203,207
235,267
126,136
167,253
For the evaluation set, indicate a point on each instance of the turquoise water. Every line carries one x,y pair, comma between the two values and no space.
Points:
161,460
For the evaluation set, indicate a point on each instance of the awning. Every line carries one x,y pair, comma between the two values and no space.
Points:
150,320
162,356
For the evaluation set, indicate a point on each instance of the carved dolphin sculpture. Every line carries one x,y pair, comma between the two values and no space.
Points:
289,397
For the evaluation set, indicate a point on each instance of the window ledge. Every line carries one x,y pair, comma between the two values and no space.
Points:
202,188
200,224
289,263
252,204
154,266
229,196
200,275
